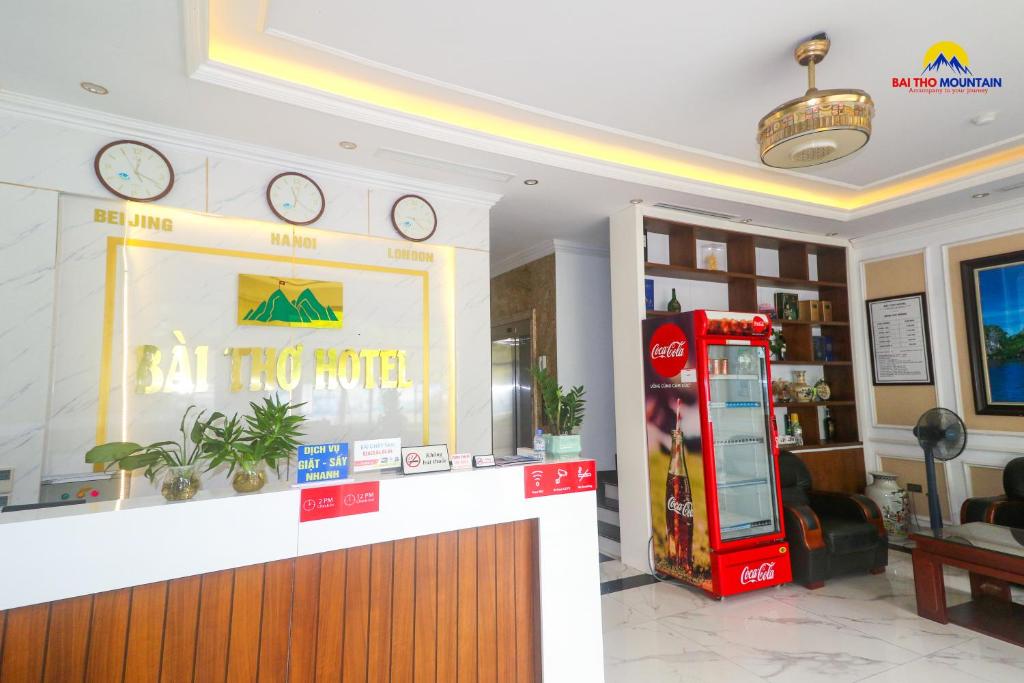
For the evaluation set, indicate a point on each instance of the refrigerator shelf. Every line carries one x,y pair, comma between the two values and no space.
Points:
733,404
763,481
746,525
735,378
740,442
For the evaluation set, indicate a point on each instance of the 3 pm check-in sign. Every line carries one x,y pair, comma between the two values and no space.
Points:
556,478
325,502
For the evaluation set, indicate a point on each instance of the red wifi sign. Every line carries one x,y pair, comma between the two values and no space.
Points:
555,478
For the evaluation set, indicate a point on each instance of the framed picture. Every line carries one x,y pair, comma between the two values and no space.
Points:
900,340
994,313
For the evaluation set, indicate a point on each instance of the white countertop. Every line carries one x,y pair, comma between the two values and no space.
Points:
56,553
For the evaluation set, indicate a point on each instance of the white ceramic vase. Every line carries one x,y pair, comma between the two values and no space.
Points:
891,500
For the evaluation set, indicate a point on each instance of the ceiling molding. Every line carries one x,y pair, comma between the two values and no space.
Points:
937,225
579,248
120,126
521,258
194,14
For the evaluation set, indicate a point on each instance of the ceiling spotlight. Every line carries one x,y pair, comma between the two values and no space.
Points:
530,181
746,220
345,144
980,195
636,201
984,118
94,88
821,126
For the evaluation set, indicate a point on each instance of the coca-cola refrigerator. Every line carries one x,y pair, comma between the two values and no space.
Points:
712,452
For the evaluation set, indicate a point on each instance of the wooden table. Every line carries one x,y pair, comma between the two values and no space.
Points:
994,557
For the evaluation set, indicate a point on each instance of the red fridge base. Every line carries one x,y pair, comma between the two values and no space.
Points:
746,570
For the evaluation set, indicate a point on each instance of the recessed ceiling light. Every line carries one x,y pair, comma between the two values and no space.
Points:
636,201
746,220
94,88
345,144
984,118
980,195
530,181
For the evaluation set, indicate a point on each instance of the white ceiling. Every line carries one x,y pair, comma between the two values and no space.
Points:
654,70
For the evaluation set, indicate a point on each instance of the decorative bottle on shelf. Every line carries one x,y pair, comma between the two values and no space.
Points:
830,426
802,391
787,425
678,502
798,431
673,304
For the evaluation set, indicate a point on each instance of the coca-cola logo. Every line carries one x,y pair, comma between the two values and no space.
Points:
668,350
765,572
759,325
680,508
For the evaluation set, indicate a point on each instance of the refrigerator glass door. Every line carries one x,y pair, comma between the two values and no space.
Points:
740,412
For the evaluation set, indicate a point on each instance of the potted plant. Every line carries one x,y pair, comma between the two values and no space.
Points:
178,462
266,437
564,413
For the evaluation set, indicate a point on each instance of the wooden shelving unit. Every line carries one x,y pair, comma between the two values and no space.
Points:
794,274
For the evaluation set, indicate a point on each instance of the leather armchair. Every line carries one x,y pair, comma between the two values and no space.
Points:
1004,510
829,533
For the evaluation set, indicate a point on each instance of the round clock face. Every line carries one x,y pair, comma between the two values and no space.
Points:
134,170
295,198
413,218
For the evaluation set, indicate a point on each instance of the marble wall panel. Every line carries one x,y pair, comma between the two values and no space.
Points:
458,224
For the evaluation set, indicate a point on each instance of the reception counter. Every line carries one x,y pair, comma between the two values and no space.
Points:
456,576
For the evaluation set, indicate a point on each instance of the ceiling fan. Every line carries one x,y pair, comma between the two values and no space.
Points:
821,126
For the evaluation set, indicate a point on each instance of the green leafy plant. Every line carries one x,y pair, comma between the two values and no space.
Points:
156,457
564,411
268,435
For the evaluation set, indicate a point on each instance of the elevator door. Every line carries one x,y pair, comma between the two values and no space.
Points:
511,387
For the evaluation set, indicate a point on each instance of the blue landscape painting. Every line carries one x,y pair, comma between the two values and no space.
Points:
1001,306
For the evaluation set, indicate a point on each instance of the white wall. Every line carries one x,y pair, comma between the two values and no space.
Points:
47,148
933,238
584,323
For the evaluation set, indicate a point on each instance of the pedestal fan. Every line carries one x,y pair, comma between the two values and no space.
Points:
943,436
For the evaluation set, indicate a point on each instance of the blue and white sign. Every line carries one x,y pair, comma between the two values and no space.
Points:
322,462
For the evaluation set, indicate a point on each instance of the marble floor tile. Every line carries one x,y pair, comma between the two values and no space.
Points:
780,642
613,569
616,613
654,654
663,599
979,659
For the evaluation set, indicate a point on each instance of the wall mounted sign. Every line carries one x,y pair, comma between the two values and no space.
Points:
295,198
376,454
133,170
483,461
993,301
413,218
462,461
899,340
556,478
419,459
322,462
325,502
289,302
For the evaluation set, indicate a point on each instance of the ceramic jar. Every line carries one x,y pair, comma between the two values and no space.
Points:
891,500
822,391
802,391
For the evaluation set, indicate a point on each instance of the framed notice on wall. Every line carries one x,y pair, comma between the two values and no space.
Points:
900,340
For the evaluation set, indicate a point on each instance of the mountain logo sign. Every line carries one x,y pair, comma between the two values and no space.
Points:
289,302
947,69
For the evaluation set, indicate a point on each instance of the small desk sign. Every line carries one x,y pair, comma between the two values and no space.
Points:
322,462
376,454
419,459
483,461
462,461
552,479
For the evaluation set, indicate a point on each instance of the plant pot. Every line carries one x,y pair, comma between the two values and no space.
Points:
247,481
563,446
180,483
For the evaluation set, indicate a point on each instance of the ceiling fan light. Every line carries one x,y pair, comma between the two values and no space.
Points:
821,126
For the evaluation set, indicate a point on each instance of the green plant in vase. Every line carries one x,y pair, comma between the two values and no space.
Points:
267,437
564,413
176,461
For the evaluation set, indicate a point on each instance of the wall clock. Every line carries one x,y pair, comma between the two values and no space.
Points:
133,170
295,198
413,217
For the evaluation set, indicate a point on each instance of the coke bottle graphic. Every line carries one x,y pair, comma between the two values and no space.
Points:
678,502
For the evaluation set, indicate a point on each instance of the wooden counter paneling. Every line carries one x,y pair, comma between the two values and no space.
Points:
459,607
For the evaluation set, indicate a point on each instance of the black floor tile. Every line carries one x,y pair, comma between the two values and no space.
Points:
616,585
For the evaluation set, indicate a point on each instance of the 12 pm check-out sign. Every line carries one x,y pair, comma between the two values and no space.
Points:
325,502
